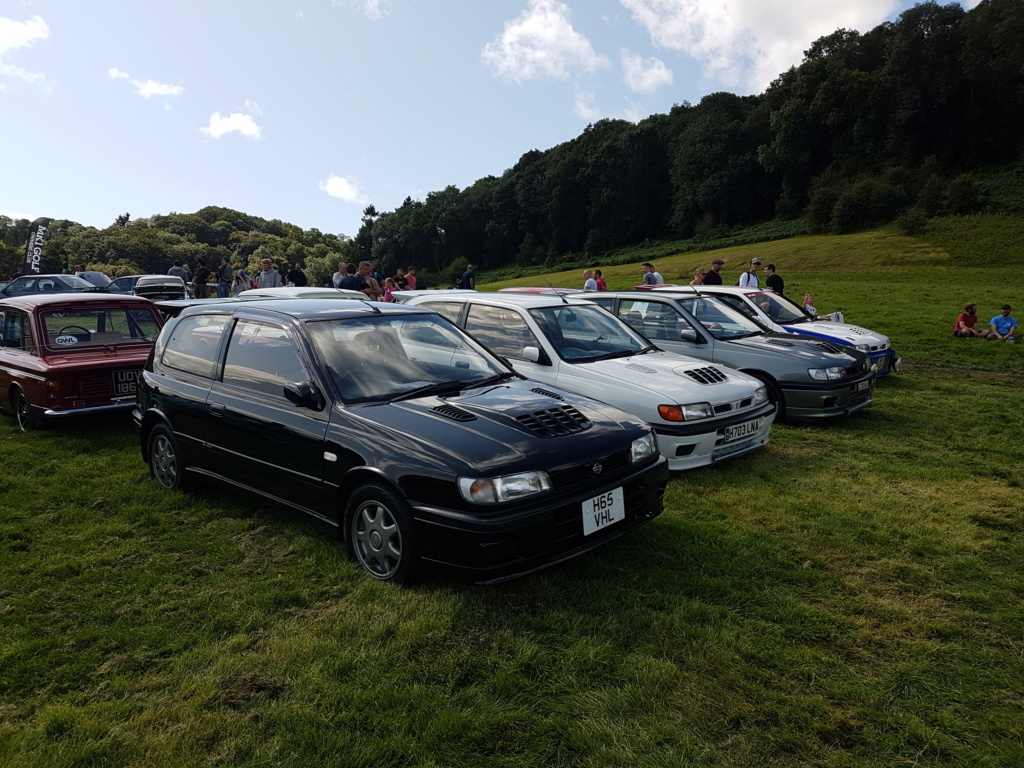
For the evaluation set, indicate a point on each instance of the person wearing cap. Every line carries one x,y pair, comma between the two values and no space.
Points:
713,276
749,278
1003,326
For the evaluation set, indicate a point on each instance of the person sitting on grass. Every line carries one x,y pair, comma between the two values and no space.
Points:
967,324
1003,326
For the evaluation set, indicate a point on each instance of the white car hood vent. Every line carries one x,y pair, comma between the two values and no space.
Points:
555,422
640,368
453,412
707,375
547,393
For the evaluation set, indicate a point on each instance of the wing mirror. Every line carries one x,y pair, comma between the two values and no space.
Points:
302,394
690,335
532,354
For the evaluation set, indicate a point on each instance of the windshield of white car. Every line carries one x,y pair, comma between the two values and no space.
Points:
778,308
583,333
721,320
391,357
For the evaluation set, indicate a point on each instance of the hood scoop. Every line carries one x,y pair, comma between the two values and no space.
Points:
829,347
453,412
554,422
707,375
779,342
547,393
640,368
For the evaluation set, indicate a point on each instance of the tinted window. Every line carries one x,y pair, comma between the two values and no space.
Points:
192,346
501,330
654,319
261,357
449,309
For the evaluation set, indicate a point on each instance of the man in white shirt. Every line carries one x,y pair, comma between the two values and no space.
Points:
749,278
651,277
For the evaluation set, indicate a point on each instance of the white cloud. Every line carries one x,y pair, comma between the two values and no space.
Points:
235,122
585,107
16,215
749,43
372,8
117,74
644,75
20,34
541,43
344,188
147,88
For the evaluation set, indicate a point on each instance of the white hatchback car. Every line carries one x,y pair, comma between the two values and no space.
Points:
783,315
701,412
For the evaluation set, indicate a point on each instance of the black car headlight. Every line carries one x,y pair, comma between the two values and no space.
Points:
643,448
494,490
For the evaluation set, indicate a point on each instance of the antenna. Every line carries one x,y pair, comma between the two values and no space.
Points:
558,293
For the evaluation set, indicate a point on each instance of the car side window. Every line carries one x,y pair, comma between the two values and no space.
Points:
262,357
15,332
654,319
602,302
503,331
737,303
192,346
448,309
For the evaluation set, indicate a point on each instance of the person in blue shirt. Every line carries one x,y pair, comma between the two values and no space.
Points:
1003,325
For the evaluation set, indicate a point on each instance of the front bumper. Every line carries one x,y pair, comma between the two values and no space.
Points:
698,444
807,402
491,547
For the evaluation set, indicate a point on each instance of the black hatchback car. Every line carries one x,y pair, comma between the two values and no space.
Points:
393,425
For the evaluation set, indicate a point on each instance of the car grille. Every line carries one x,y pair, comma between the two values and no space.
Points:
707,375
585,473
737,405
96,385
555,422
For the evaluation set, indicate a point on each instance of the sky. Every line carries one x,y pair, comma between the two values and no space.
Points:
309,110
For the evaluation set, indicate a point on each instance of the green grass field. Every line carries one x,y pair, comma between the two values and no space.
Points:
850,596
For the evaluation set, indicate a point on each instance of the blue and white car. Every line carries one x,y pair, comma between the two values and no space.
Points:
783,315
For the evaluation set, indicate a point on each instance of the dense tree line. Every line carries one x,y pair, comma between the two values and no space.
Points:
872,127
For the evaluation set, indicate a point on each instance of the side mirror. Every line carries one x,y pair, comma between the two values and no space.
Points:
302,394
690,335
532,354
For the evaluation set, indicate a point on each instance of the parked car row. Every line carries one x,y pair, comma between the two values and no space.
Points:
150,286
483,435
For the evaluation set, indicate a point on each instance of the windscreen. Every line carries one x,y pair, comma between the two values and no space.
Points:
580,333
719,319
778,308
100,327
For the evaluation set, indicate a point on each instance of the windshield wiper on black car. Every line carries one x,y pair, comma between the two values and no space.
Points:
435,388
489,380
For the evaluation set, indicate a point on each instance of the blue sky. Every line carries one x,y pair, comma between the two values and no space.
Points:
309,110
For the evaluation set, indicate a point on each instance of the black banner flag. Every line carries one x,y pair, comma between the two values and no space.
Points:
34,250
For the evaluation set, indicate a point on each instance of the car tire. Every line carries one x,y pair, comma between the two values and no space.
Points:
379,535
774,395
165,465
24,416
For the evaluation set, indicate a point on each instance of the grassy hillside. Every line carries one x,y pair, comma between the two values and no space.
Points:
848,597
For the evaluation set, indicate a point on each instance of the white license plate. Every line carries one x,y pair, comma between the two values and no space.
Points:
125,382
739,431
862,385
601,511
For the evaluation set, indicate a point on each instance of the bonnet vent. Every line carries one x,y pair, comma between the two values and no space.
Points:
707,375
829,347
453,412
555,422
780,342
547,393
640,368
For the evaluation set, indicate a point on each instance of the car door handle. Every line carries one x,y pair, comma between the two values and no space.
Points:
216,409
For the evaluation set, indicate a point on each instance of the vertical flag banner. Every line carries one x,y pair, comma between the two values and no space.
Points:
34,250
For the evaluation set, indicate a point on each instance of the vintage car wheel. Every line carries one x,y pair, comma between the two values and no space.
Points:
23,415
380,536
164,461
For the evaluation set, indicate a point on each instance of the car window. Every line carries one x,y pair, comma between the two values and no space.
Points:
449,309
100,326
193,344
737,303
781,309
503,331
14,329
21,285
262,357
654,319
721,319
388,356
580,332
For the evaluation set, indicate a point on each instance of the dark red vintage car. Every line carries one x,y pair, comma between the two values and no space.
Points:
68,354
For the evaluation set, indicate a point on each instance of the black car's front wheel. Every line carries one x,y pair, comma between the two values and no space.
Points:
380,536
164,460
24,416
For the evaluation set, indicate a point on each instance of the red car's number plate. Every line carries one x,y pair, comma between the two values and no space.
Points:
125,382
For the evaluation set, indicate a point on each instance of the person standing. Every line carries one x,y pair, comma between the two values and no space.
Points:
224,275
296,276
468,278
399,280
410,278
241,281
177,270
713,276
651,277
749,278
340,275
589,283
390,286
268,276
373,289
698,276
352,281
199,288
1003,325
773,281
599,279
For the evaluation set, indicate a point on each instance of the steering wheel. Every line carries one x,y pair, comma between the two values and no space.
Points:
86,331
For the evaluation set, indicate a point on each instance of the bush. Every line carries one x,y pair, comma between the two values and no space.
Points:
964,196
913,221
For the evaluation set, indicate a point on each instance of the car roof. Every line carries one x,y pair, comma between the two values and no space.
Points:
712,289
527,300
303,292
71,298
304,309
